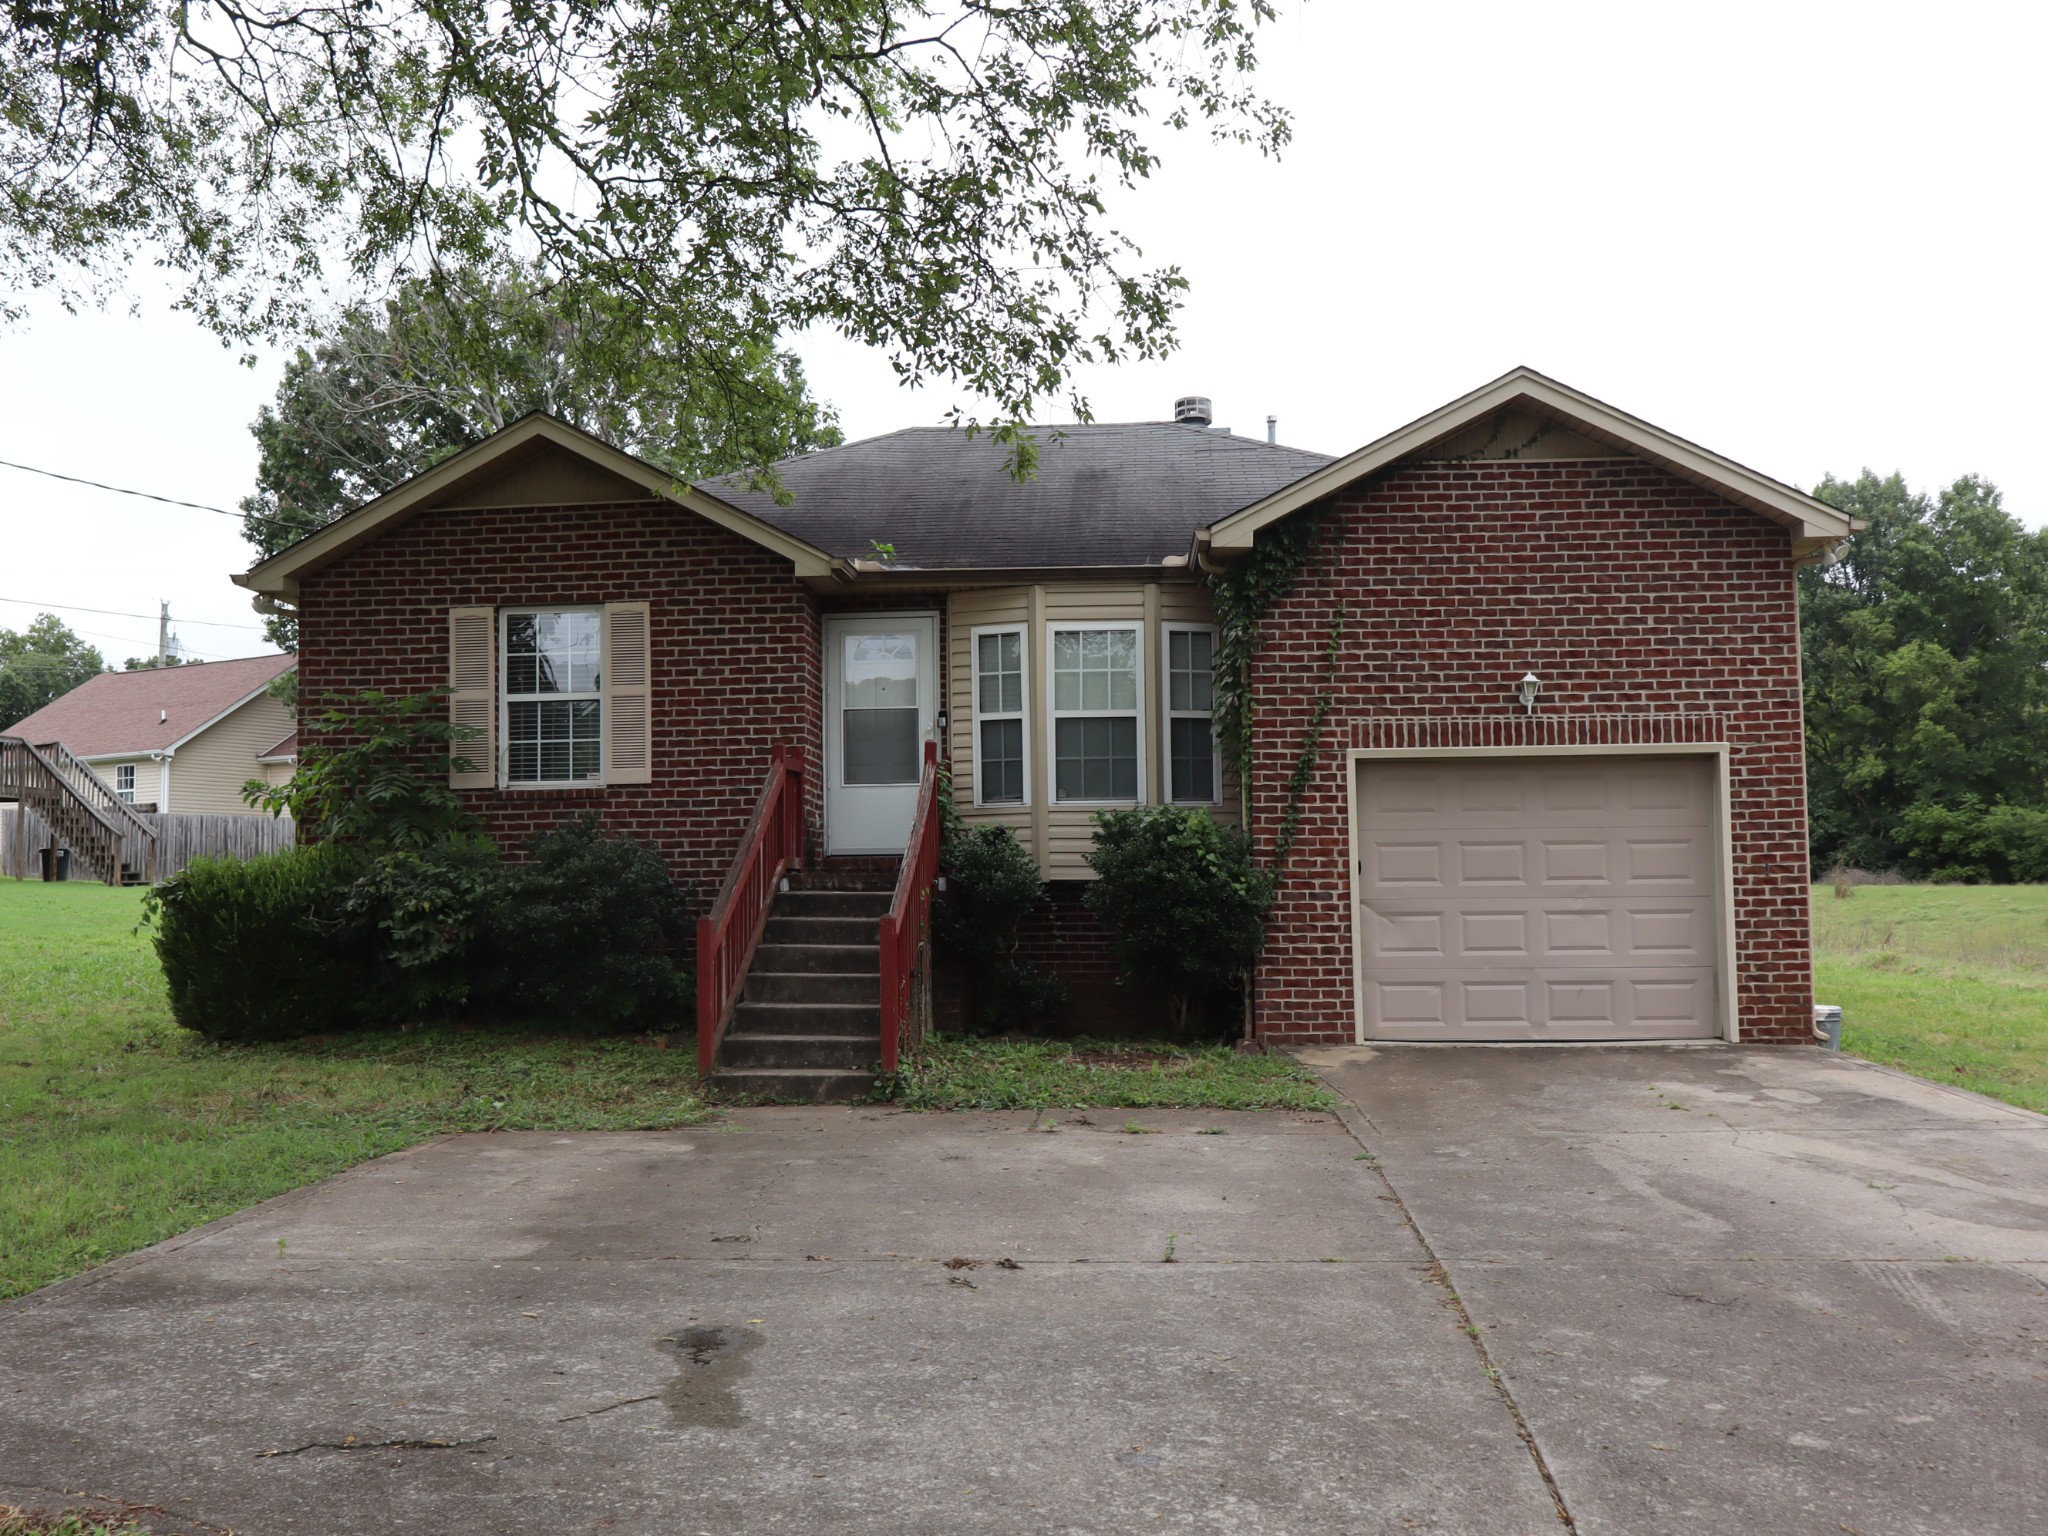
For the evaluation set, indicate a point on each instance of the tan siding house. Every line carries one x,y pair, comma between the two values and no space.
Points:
183,739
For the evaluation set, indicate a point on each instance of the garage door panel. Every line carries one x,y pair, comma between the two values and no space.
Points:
1538,899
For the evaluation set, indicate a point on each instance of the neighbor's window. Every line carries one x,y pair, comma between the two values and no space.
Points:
999,716
1095,712
124,782
1193,773
554,710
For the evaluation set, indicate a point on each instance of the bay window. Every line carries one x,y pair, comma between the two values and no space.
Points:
1096,717
999,729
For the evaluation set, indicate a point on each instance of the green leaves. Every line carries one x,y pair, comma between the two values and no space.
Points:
1926,670
931,185
40,664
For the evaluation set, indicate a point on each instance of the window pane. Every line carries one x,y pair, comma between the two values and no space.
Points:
1066,670
1194,761
1000,765
1001,675
1097,759
879,672
553,742
879,746
1095,669
554,652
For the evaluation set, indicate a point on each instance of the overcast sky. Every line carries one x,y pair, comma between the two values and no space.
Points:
1807,236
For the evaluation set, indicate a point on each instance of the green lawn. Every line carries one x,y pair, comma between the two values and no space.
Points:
1948,981
952,1073
117,1129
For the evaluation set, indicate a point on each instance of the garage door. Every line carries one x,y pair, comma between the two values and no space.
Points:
1561,898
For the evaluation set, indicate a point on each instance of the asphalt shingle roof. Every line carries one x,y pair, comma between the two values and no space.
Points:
147,711
1125,494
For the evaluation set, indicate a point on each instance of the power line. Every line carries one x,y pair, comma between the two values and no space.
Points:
116,613
169,501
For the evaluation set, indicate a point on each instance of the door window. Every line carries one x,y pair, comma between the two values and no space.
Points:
878,709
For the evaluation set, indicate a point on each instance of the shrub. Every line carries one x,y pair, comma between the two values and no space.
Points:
375,772
992,884
423,914
1183,899
1967,842
263,949
587,932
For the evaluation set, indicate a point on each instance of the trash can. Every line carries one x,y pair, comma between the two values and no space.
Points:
56,863
1827,1025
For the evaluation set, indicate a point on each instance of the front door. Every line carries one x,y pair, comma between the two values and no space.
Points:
881,701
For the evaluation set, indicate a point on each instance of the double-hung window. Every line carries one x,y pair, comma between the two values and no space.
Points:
999,732
124,782
1194,767
554,695
1096,718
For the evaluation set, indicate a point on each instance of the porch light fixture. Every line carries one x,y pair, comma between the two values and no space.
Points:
1530,686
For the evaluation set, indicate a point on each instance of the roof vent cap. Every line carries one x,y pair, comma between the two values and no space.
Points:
1194,410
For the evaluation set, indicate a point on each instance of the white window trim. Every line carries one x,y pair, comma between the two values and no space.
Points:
125,795
1168,714
1054,715
604,668
1021,715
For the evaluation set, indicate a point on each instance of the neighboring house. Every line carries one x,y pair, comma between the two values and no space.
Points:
180,739
1618,854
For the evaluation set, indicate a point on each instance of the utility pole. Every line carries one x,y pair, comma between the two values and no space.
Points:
163,633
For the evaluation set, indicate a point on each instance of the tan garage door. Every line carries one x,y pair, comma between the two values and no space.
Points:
1544,898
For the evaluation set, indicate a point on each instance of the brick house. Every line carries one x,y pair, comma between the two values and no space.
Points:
1558,792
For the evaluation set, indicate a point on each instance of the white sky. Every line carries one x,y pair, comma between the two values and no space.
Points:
1808,236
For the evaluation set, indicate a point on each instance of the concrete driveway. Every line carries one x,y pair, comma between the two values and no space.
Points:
1632,1291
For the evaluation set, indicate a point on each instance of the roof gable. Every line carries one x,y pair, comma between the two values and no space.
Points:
155,710
1525,415
535,456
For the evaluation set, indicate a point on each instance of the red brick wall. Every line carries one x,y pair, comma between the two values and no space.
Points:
735,662
1626,590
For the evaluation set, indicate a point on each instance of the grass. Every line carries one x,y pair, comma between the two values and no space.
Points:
118,1129
1946,981
15,1521
956,1073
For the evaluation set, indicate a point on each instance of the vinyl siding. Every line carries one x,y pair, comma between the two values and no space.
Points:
1060,836
208,772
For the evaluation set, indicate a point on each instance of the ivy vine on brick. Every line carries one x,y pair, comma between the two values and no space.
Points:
1244,594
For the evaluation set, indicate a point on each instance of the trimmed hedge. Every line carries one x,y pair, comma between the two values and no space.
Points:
260,949
325,938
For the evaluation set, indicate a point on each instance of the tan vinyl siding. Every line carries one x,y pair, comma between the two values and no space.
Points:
208,772
1060,836
148,776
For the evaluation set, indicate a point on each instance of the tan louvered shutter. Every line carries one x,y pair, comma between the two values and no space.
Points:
628,690
473,675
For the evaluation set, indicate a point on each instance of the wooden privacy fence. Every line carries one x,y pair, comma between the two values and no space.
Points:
180,840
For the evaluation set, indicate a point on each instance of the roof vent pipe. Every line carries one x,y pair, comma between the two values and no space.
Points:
1194,411
1273,429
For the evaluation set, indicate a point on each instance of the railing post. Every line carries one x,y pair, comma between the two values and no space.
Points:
892,1000
794,788
708,991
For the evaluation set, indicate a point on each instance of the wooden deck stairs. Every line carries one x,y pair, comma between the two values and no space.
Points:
108,841
808,1023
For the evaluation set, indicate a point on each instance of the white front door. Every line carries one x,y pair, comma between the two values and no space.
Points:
881,702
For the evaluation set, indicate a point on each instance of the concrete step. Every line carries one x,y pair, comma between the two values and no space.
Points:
806,1019
871,904
821,930
794,1085
844,959
845,1053
811,987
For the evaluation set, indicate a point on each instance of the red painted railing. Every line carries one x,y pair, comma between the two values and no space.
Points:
906,930
727,935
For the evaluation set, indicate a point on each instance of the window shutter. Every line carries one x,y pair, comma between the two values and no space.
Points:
628,695
473,675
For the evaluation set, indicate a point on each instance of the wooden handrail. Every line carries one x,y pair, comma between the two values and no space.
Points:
66,790
728,934
906,929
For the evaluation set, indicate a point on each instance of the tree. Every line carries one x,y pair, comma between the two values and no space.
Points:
151,663
391,389
1926,662
41,664
934,186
